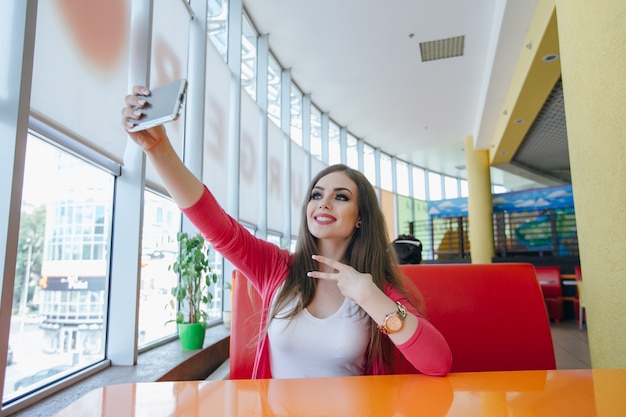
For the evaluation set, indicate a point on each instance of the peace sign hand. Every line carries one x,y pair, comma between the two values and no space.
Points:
353,284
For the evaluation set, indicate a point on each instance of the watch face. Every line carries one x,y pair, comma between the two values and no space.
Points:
394,324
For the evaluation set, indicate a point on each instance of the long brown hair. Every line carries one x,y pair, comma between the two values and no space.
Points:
369,251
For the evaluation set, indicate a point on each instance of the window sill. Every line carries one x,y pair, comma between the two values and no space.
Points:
167,362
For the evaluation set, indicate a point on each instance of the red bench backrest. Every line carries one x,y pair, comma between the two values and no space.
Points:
492,315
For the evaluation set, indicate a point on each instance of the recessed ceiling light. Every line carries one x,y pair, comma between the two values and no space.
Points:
520,121
550,57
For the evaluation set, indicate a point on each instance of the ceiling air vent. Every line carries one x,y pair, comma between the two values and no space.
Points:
442,48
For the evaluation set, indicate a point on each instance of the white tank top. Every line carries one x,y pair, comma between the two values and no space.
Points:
306,346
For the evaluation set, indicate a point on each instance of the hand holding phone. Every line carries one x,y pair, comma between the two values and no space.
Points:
162,105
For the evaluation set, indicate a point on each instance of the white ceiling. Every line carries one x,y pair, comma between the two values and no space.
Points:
360,61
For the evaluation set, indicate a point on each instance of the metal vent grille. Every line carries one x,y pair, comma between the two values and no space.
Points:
442,48
545,147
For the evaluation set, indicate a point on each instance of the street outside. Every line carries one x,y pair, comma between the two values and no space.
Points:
26,340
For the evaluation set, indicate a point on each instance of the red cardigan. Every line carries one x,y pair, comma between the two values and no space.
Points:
267,266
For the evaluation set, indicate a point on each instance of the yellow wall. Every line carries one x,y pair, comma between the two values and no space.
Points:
592,37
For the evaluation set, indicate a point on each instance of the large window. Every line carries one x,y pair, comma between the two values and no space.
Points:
334,146
369,163
386,182
352,151
498,189
316,132
435,191
419,183
161,223
464,188
275,238
248,58
451,187
60,298
217,25
273,90
216,263
296,114
402,177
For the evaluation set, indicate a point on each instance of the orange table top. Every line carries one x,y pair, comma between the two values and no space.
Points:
568,393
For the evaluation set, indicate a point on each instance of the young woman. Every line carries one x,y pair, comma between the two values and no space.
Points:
338,305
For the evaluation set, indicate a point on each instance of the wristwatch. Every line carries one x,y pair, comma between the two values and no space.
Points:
394,321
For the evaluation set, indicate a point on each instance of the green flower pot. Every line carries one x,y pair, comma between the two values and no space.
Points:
191,335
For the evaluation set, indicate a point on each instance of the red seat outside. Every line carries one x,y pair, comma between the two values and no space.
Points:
549,278
579,314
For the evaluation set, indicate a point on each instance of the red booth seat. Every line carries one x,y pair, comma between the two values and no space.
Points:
244,327
577,299
549,278
493,317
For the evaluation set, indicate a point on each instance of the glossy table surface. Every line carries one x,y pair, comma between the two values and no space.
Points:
567,393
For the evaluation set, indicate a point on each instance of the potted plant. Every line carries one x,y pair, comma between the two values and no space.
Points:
191,295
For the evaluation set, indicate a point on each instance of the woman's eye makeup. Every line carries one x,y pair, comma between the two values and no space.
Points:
340,196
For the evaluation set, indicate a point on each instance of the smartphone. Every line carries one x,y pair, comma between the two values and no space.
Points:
162,105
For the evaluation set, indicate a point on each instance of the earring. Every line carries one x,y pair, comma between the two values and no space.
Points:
358,224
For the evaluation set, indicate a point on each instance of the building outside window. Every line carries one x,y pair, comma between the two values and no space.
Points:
59,310
161,223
